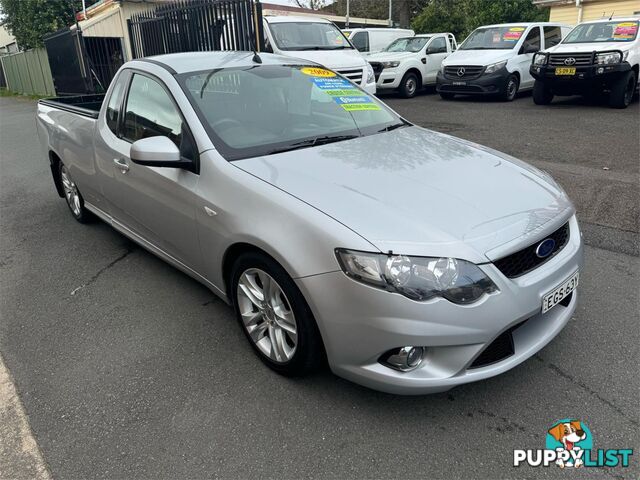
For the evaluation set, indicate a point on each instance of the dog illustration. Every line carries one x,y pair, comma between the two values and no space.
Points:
569,433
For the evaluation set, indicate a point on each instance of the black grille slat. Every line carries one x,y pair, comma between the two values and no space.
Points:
581,59
498,350
525,260
470,71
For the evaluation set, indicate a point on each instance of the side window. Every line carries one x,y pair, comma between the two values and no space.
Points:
532,41
150,112
438,45
115,100
552,36
361,41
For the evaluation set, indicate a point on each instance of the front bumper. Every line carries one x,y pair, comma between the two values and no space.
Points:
585,79
359,323
388,79
484,84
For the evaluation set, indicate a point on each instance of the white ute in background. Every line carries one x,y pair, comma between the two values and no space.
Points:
411,63
319,41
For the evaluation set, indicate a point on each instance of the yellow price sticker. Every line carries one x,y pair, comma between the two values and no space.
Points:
317,72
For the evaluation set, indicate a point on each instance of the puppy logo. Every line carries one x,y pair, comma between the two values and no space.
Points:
571,436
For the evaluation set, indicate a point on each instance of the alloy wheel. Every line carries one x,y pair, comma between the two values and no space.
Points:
70,192
267,315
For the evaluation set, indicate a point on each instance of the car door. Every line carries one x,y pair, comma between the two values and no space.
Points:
156,204
436,52
530,45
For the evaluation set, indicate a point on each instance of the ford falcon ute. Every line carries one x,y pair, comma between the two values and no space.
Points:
407,260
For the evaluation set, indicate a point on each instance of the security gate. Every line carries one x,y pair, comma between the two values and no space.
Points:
197,25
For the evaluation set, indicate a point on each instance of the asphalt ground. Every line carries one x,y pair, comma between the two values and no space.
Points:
143,373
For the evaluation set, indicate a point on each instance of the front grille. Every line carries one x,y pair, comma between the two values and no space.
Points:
355,75
581,59
463,71
498,350
377,69
525,260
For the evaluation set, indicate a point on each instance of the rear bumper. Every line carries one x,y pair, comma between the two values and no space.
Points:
360,323
491,84
586,78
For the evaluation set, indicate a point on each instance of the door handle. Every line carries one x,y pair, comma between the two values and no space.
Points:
121,164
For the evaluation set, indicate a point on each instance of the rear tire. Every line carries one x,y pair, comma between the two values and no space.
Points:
409,85
542,94
72,195
623,91
510,89
447,96
274,316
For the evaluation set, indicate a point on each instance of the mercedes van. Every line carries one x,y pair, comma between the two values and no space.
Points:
495,59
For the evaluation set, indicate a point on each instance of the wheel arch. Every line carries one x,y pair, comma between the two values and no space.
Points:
417,72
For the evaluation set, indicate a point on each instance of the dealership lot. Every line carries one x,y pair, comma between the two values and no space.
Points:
127,368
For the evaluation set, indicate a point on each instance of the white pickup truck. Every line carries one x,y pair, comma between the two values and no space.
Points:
594,59
410,63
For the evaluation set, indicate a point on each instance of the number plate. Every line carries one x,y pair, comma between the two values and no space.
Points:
565,70
554,297
460,83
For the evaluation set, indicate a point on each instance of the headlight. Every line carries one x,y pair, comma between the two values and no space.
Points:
494,67
540,59
607,58
418,278
390,64
370,75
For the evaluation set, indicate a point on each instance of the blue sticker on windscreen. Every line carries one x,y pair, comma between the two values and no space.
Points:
331,83
350,100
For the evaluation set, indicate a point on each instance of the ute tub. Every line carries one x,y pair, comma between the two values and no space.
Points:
85,105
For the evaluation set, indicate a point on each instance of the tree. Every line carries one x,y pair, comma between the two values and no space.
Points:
461,17
401,14
29,20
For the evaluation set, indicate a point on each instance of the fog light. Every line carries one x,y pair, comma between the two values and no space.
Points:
600,70
404,358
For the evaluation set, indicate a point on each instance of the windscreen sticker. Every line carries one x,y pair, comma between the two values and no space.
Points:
317,72
359,103
625,31
347,92
355,107
335,83
513,35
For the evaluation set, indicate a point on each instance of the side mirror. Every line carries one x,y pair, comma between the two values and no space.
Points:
157,152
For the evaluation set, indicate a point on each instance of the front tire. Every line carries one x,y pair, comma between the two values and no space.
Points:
274,316
623,91
409,85
72,195
510,89
542,94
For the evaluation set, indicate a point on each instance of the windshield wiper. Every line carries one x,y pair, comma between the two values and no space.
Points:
393,127
313,142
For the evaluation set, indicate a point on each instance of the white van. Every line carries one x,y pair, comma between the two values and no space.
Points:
371,40
320,41
495,59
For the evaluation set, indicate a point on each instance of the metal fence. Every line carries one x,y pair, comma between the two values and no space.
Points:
105,57
69,67
28,72
197,25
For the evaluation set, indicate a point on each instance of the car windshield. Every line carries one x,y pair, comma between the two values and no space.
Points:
265,109
493,38
308,36
409,44
615,31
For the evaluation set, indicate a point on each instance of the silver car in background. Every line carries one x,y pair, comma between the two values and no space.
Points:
410,260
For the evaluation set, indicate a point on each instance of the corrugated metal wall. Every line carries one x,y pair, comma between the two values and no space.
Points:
594,10
28,72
